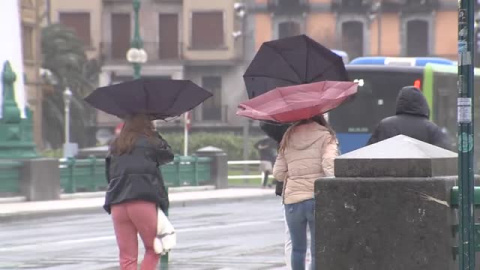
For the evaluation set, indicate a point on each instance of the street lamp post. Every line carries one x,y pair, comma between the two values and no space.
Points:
68,150
136,55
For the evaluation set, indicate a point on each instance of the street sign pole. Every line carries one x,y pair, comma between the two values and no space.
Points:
186,129
466,19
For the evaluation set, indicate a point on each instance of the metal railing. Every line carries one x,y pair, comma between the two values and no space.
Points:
10,173
245,166
246,170
89,174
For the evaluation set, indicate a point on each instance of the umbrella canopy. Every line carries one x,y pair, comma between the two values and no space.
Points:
293,103
292,61
159,98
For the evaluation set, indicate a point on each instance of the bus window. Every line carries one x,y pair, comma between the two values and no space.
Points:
445,108
445,100
376,98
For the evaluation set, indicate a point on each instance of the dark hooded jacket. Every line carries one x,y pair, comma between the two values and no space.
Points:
411,119
267,149
136,175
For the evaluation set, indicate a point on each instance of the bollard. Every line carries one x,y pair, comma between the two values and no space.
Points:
218,165
40,179
388,207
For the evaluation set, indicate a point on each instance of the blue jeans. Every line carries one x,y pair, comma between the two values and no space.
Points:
298,216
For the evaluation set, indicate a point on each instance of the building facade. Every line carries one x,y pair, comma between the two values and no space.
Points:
186,39
405,27
83,17
33,13
214,58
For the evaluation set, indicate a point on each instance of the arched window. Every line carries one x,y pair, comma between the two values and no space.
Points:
352,38
417,38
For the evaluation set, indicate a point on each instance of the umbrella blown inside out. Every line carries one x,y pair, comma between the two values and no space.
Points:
299,102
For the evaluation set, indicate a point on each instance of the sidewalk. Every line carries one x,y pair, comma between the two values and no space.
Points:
80,203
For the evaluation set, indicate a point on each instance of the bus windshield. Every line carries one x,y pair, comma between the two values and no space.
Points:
376,97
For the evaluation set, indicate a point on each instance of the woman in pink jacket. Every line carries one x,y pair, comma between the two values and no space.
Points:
306,154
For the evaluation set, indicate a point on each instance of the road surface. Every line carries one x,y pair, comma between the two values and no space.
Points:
239,235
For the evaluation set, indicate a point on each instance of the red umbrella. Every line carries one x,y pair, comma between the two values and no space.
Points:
298,102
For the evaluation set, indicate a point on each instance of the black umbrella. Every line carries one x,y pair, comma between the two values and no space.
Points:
291,61
159,98
274,130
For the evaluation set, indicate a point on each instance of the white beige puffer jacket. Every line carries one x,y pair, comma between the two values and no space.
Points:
308,156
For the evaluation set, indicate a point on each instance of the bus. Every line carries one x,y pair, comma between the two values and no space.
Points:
378,88
401,61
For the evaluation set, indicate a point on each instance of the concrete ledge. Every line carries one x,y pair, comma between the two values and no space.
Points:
400,156
13,199
31,210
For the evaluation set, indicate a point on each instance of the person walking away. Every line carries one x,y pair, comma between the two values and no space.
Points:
411,119
136,189
267,149
306,153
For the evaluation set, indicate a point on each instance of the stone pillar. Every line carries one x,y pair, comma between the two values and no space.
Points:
40,179
387,208
219,165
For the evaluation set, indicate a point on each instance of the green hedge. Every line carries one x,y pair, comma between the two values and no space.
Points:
232,144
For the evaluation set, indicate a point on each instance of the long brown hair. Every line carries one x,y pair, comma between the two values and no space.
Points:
319,119
134,127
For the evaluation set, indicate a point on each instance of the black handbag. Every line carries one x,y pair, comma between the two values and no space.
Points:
279,188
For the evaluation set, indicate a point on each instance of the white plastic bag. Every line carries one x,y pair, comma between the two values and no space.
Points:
166,238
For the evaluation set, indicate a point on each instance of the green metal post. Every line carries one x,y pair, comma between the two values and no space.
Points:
465,103
164,258
72,185
137,40
93,165
178,180
195,171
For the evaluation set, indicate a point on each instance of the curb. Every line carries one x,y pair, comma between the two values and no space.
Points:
29,215
101,194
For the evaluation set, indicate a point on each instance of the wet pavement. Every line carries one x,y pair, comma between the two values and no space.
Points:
240,235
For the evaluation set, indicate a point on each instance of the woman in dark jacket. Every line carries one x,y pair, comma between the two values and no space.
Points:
136,189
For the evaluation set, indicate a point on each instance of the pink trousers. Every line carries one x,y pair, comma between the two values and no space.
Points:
130,219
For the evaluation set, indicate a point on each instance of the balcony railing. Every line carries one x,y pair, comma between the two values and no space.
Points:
226,55
352,5
156,51
288,6
408,6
